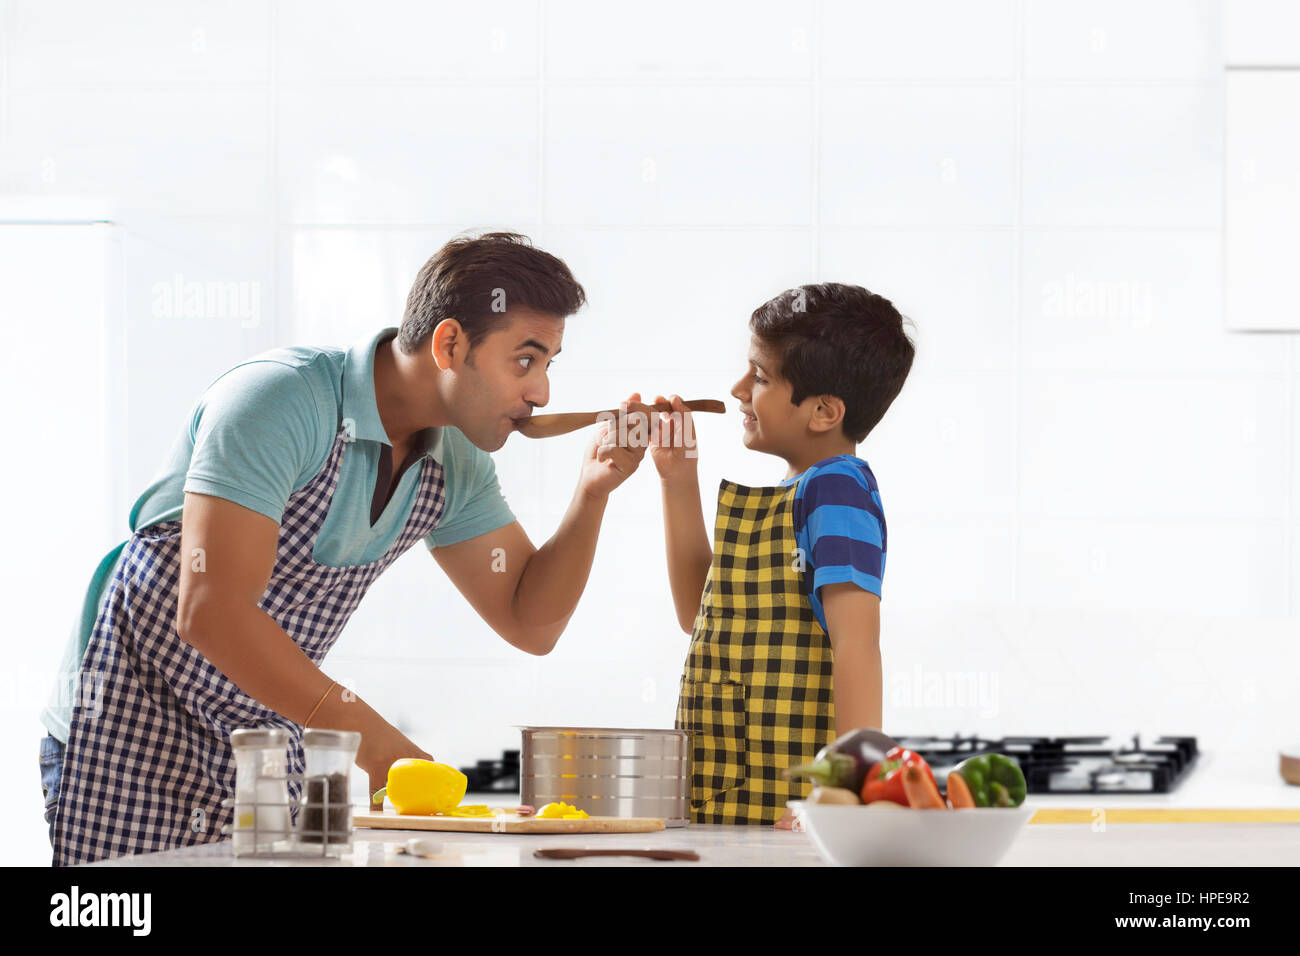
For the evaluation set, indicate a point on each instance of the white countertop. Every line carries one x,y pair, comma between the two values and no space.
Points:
1124,844
1240,780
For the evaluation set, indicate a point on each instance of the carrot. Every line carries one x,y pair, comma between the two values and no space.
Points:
922,793
959,794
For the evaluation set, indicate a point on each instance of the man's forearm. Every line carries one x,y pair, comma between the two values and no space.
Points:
858,686
686,542
249,647
555,576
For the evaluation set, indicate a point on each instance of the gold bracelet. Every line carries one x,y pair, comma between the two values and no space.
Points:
318,703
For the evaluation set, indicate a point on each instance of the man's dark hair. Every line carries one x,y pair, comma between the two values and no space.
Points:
839,340
475,279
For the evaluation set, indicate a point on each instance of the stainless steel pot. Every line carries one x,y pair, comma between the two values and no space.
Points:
608,771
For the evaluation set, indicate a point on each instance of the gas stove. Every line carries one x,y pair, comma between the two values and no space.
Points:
1070,764
498,775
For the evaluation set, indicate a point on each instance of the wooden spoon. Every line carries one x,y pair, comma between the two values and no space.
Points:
563,853
548,426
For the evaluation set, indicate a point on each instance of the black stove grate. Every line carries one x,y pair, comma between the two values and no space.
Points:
1070,764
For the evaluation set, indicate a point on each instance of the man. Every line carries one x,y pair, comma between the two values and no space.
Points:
301,475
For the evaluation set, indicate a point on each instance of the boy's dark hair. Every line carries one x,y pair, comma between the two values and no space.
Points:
475,279
839,340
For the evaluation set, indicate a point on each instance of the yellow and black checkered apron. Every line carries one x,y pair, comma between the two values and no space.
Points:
756,692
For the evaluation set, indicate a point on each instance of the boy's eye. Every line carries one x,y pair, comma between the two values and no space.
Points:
526,361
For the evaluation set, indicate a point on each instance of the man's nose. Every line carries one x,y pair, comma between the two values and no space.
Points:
538,395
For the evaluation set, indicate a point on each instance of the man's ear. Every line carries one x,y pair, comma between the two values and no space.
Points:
828,413
450,344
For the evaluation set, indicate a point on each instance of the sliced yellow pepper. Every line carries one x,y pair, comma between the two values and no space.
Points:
562,811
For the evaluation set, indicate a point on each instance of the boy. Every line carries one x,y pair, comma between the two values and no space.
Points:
784,608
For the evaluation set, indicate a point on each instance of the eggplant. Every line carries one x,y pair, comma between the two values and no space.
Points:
845,762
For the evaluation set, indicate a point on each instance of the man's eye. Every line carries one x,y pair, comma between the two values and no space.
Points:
525,360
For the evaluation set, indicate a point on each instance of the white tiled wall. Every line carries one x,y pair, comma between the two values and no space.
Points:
1089,484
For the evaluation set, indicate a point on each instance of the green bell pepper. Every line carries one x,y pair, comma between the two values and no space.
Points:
994,780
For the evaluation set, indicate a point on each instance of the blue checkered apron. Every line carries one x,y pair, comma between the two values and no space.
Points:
148,758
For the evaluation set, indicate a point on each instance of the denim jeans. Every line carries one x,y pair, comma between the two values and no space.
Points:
51,771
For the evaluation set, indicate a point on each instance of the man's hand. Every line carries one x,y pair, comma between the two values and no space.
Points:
380,749
607,463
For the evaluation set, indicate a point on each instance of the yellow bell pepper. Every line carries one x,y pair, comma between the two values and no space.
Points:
561,811
423,786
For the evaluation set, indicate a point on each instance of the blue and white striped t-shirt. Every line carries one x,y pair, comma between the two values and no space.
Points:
839,524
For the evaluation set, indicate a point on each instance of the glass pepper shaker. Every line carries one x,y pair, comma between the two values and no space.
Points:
326,810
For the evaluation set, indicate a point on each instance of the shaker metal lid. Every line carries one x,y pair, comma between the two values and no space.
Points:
331,738
259,737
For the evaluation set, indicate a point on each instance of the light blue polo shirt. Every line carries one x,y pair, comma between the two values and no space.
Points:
260,432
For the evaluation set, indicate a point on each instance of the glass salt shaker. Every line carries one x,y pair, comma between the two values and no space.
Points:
325,816
261,789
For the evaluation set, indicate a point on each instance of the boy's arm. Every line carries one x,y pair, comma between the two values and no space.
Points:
846,537
853,620
686,541
686,537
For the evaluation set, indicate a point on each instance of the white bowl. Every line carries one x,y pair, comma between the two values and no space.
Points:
869,836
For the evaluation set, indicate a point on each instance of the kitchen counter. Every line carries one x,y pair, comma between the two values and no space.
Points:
1126,844
1247,780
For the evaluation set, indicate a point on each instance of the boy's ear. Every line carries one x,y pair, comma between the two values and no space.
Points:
827,414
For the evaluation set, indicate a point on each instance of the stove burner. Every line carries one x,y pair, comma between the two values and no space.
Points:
1070,764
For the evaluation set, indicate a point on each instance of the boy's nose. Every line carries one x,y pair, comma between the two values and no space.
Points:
738,391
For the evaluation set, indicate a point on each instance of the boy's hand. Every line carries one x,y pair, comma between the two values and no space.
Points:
672,442
607,464
788,821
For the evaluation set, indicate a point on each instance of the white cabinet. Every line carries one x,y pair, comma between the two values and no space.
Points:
1262,200
1261,241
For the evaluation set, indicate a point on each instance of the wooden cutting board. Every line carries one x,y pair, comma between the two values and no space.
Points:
503,823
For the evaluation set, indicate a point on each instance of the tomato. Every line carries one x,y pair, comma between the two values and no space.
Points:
884,781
